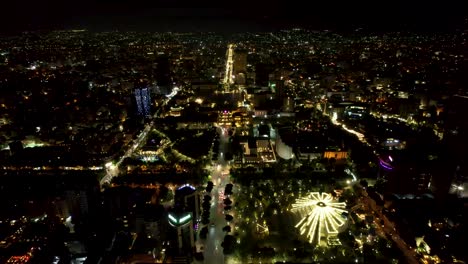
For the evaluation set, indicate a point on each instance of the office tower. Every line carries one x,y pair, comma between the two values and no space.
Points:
456,145
456,129
262,72
280,89
181,220
143,101
163,71
240,61
240,66
405,173
185,214
189,198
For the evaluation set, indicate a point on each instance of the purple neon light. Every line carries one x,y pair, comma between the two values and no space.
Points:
385,166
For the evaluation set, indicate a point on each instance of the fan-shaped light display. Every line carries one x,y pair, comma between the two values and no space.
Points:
323,215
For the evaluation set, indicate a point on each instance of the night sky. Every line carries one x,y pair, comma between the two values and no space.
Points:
223,16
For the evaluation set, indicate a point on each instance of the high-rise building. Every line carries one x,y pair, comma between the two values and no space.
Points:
280,89
240,61
405,173
262,72
456,144
163,71
456,129
143,101
185,214
240,66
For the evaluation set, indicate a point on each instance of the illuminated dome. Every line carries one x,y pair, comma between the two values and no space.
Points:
283,143
321,216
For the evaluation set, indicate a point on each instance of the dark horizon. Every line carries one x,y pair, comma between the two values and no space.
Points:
241,16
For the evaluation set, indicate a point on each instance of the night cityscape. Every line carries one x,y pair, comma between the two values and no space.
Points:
267,132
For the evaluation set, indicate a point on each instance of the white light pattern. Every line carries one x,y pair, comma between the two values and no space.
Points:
322,215
185,218
173,219
174,91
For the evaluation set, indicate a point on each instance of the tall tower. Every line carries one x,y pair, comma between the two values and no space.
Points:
143,101
138,101
163,71
240,66
228,80
181,220
262,72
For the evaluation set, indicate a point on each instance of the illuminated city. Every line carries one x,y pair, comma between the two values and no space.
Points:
254,132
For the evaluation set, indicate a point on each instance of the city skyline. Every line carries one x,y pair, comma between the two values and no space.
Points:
122,144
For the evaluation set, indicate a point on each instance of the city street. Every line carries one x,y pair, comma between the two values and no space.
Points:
388,228
213,251
112,169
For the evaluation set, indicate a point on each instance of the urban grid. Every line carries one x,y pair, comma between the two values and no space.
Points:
283,146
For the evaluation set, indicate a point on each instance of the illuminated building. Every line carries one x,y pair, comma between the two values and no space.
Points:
284,144
355,112
228,75
392,143
187,199
225,118
180,221
338,155
241,118
19,259
257,151
189,193
138,101
321,216
143,101
176,111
